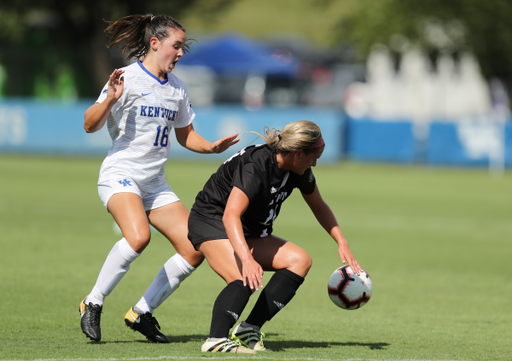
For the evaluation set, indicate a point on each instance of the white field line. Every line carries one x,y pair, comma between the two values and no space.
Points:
217,358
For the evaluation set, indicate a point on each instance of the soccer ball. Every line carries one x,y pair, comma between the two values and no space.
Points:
348,290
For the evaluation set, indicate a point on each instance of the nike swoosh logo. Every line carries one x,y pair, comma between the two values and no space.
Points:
144,94
136,318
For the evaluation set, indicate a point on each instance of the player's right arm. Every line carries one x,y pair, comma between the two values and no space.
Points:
97,114
235,208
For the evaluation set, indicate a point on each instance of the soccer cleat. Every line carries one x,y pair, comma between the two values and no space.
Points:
146,324
249,336
90,316
225,345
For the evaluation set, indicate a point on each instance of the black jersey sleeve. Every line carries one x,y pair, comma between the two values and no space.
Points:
307,182
249,180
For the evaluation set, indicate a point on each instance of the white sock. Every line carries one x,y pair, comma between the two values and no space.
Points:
115,267
168,279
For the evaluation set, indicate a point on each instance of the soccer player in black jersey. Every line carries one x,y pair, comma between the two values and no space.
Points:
231,225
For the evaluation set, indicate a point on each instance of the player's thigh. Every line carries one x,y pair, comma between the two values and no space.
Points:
222,259
129,214
274,253
172,221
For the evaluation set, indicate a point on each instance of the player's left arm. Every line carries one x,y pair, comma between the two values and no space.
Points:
190,139
327,220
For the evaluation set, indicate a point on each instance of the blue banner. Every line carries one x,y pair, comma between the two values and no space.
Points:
469,143
370,140
57,128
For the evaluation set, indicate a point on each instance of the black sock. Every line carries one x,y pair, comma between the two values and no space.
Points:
228,307
275,295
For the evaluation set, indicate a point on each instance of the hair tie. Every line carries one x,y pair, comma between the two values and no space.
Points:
276,145
317,144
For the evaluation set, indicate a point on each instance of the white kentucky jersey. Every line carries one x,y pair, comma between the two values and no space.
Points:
140,124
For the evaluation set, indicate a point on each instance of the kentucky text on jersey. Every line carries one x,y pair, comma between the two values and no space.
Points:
155,112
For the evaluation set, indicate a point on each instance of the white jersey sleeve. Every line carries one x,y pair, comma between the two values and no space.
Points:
186,113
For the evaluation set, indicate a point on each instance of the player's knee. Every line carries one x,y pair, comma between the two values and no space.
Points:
189,253
307,262
300,262
194,258
139,241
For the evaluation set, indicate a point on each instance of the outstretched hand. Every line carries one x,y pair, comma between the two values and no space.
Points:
347,256
222,144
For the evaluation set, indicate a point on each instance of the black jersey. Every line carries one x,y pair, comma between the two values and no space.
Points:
253,170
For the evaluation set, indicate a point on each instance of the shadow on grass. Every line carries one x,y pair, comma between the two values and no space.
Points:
279,346
276,346
172,339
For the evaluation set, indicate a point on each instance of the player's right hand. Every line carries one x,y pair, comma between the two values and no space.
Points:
252,274
115,85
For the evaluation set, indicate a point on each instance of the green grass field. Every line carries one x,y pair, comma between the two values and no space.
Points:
437,243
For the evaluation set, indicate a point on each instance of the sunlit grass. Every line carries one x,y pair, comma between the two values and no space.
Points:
436,243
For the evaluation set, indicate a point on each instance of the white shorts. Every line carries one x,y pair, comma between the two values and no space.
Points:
162,195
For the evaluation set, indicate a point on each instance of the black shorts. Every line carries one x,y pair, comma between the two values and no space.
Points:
201,229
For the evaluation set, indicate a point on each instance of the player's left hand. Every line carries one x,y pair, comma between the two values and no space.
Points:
347,256
222,144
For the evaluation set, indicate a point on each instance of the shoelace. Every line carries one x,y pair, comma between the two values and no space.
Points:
259,335
236,342
95,312
150,317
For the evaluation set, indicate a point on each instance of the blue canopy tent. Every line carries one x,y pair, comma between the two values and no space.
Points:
236,55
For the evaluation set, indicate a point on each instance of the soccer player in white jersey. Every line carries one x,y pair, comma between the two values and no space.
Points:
141,104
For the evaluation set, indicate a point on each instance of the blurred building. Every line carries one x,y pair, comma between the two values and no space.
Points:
454,89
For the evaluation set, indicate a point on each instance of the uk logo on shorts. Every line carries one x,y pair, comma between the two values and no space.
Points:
125,183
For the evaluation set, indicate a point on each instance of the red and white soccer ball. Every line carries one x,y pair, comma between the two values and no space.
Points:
349,290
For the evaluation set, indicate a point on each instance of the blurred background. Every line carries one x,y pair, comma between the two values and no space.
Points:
410,82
